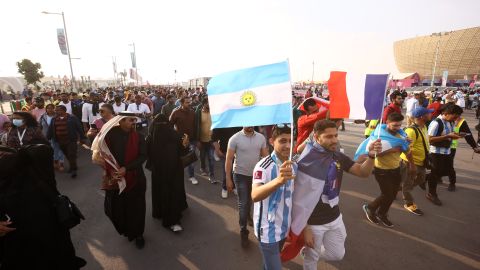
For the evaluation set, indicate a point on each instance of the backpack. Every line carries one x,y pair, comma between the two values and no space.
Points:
444,144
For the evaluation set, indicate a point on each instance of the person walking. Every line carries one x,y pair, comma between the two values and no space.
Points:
220,137
441,134
203,124
25,131
121,151
417,132
66,130
247,147
183,119
45,122
165,146
387,174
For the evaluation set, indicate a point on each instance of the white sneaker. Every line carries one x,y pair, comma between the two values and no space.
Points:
224,193
235,192
193,180
176,228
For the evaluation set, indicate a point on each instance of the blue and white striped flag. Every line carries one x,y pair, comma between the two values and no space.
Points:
255,96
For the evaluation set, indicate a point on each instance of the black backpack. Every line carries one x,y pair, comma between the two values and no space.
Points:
445,143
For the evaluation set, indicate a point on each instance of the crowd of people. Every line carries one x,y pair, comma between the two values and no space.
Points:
166,128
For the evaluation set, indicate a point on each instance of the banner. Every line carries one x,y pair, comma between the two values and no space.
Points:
444,78
62,42
134,59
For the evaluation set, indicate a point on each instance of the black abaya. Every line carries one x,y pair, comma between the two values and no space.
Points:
168,190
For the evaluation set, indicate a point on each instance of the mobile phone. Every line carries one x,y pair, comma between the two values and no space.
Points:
463,134
93,126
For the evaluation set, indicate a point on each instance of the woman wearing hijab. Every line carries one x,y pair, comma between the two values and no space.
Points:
31,237
165,146
25,131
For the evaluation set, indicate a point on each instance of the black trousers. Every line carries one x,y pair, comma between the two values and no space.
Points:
389,182
442,165
70,152
452,176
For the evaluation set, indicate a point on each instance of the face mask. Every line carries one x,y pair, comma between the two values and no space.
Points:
17,122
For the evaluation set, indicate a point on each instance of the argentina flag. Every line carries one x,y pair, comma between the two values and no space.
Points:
254,96
388,141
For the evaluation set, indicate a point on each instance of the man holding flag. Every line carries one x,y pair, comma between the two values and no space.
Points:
272,193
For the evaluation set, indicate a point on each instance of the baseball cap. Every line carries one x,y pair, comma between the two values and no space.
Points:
420,111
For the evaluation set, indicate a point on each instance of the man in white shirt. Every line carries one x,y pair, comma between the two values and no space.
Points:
140,109
65,101
460,99
412,103
118,105
90,111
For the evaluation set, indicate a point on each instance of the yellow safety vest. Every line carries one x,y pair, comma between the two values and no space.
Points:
456,129
372,125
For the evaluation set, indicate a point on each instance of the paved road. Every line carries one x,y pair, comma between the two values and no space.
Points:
447,237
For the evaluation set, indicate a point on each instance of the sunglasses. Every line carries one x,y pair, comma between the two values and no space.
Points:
282,125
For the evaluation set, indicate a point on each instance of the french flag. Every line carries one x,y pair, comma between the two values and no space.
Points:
355,96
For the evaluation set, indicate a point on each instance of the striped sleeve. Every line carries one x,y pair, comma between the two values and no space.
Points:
260,173
432,128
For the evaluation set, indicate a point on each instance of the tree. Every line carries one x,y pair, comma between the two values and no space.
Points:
30,71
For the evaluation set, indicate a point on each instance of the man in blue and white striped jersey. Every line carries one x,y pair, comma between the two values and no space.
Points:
272,189
440,135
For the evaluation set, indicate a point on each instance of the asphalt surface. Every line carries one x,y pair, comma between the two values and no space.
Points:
446,237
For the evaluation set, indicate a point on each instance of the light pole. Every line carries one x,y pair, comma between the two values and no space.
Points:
439,35
68,43
134,61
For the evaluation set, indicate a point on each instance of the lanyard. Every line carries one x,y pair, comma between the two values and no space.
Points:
20,137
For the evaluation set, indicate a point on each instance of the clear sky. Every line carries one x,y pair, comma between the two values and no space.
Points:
206,37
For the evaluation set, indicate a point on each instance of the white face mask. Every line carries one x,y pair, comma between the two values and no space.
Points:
17,122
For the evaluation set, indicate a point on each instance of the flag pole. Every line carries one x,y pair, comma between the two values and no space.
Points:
383,104
291,113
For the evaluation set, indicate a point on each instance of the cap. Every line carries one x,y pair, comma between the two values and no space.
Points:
420,111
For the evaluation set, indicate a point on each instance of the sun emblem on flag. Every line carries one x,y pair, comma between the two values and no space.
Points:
248,98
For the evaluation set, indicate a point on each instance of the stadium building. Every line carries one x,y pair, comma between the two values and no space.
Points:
454,54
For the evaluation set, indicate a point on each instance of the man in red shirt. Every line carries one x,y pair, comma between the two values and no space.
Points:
396,101
435,106
306,122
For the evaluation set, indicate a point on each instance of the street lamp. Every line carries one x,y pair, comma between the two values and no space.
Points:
439,35
68,43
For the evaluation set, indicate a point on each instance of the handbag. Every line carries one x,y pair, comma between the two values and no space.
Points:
427,163
68,214
189,158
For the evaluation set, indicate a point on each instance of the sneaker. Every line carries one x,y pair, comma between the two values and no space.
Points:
139,242
434,199
212,180
235,192
413,209
193,180
370,215
176,228
385,221
224,193
451,187
244,242
203,172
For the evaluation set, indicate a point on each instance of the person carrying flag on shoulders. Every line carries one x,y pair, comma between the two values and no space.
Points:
315,210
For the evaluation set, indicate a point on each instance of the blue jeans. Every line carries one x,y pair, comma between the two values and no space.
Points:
191,167
57,152
244,198
271,255
207,152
